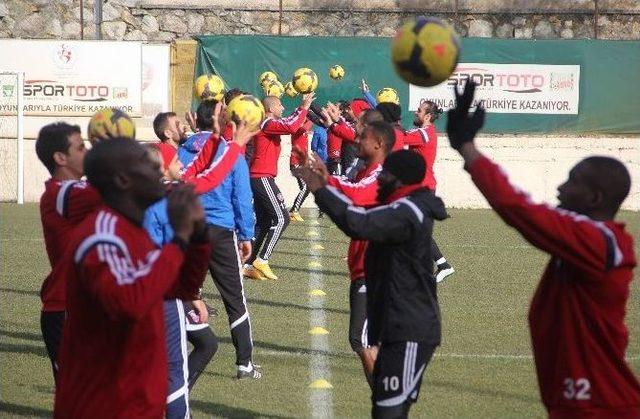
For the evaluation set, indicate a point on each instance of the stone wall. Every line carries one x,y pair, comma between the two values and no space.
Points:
167,20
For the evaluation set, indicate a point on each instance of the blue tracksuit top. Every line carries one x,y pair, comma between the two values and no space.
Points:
319,142
156,222
230,205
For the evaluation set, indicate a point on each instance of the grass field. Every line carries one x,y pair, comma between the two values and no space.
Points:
483,368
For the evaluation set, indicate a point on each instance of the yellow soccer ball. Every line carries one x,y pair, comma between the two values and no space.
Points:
425,51
246,108
290,90
388,95
336,72
267,77
305,80
209,86
274,88
110,123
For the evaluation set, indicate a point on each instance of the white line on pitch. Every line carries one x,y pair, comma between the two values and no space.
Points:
320,400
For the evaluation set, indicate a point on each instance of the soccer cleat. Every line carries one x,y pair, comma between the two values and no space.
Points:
264,269
444,270
295,216
248,373
252,273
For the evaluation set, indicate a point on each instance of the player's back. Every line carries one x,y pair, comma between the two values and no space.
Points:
110,360
266,152
579,336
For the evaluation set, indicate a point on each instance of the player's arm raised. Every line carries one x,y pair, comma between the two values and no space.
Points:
293,122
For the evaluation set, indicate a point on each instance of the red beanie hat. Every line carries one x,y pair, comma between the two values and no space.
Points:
358,106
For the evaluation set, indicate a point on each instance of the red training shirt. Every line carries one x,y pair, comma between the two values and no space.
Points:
425,142
577,313
63,205
113,356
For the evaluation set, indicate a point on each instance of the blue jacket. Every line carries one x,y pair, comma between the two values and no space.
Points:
230,205
370,99
319,142
156,222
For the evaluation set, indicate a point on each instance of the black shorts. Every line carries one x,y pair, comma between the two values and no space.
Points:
358,315
397,373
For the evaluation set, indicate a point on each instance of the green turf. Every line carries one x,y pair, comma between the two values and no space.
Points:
484,307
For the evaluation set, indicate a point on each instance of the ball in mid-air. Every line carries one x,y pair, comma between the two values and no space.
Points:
290,90
388,95
246,108
425,51
274,88
209,86
110,123
305,80
267,77
336,72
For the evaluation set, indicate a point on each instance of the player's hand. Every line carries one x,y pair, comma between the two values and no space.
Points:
462,127
313,180
191,118
174,169
244,248
242,132
334,111
307,98
317,165
184,210
201,308
326,118
216,119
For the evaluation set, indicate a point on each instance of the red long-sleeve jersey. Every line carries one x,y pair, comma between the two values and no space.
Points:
63,205
577,313
205,172
113,357
300,140
338,132
425,142
266,143
400,134
363,194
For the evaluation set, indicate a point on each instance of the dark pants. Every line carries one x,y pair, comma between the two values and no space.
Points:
226,269
302,195
358,315
272,217
51,324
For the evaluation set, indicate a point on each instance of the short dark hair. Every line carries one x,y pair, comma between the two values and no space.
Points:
371,115
54,138
384,131
160,124
204,114
611,178
107,158
391,112
232,94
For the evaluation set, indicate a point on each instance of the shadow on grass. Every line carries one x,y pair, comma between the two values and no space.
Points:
23,349
16,409
314,240
292,350
274,304
322,256
37,337
483,392
307,270
20,292
222,410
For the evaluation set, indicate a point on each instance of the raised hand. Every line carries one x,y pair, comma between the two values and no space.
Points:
307,99
191,118
462,127
185,211
216,118
242,132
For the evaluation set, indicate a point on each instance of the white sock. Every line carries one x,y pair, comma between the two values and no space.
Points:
441,261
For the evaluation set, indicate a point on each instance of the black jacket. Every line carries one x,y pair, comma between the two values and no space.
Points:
402,304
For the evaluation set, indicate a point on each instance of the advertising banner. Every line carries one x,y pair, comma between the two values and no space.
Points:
510,88
73,78
155,80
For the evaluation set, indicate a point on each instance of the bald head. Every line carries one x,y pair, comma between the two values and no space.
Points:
609,177
273,106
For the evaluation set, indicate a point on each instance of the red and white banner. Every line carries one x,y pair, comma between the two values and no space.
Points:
510,88
73,78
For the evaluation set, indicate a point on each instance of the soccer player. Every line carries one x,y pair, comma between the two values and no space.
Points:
64,203
424,140
171,132
372,147
229,214
577,313
402,308
113,358
299,141
271,212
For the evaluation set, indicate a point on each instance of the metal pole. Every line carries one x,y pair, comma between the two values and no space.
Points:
596,17
97,18
81,19
20,83
280,20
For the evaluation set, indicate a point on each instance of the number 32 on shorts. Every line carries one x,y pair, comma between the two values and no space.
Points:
578,389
